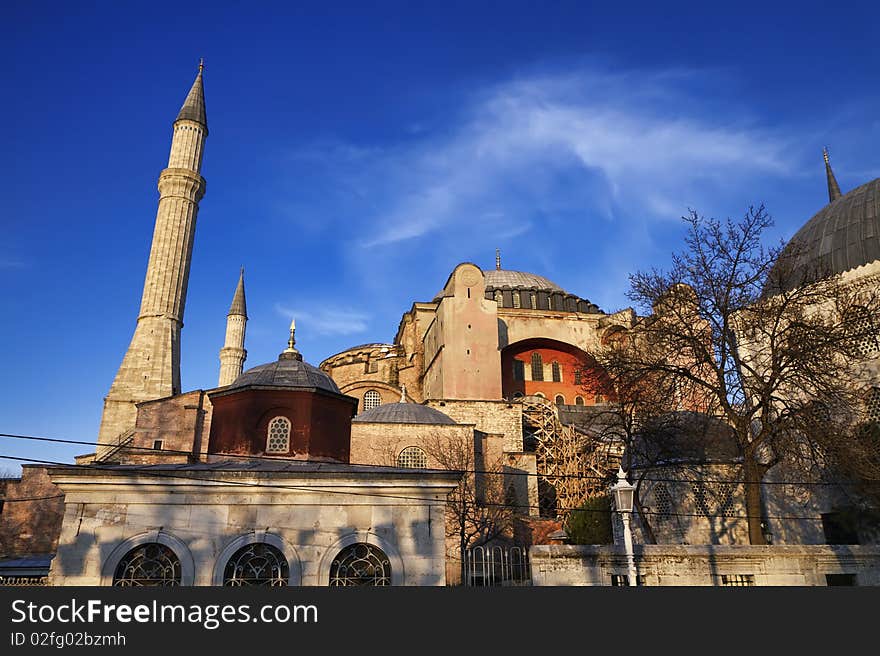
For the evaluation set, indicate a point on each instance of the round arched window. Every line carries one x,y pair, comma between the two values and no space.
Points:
257,564
360,564
412,456
578,400
372,400
150,564
560,400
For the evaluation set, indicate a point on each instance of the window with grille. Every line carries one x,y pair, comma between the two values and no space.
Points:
278,439
360,564
537,367
557,373
738,580
578,377
148,565
622,580
257,564
840,579
872,405
715,501
663,502
412,456
372,400
864,331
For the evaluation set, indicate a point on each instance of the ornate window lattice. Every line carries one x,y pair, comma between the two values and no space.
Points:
717,502
278,437
557,373
150,564
738,580
663,502
412,456
864,331
872,405
360,564
537,366
255,565
372,400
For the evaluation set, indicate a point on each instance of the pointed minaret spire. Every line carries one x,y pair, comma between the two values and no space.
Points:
150,368
233,353
290,353
833,187
193,108
498,259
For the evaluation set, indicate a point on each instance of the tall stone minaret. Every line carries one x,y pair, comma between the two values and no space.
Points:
233,354
151,366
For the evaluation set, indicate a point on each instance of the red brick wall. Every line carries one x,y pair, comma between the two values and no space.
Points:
30,527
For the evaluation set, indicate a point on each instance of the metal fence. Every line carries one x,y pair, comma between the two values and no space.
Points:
497,566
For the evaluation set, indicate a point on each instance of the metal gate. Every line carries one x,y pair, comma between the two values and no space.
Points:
496,566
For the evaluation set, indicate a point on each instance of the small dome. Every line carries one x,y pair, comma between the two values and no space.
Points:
403,413
500,278
286,372
844,235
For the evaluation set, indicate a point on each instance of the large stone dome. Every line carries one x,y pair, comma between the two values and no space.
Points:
403,413
844,235
501,278
287,373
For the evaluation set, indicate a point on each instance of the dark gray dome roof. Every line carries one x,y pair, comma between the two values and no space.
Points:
403,413
844,235
290,372
500,278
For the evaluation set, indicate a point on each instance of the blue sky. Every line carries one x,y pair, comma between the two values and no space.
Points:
357,154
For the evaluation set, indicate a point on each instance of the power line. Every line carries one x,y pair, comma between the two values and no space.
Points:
580,476
158,474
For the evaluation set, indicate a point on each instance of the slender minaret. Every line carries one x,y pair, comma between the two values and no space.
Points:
233,355
151,366
833,187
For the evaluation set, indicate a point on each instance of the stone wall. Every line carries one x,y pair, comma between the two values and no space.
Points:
495,417
30,526
670,565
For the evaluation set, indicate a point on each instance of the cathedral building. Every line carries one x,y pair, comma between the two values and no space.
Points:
287,473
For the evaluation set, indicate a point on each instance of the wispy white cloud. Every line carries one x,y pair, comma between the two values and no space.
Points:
606,144
326,320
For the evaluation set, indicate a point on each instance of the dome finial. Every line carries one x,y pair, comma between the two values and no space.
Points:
498,259
833,187
403,393
290,353
201,64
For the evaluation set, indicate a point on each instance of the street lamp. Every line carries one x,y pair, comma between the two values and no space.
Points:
623,502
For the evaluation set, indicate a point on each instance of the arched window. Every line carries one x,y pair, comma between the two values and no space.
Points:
864,330
499,297
557,373
578,400
541,394
537,366
255,565
372,400
278,438
533,301
560,400
360,564
516,299
412,456
150,564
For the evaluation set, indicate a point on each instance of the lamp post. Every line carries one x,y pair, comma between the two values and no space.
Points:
623,502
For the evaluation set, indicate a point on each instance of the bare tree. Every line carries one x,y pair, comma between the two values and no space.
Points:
734,331
477,511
